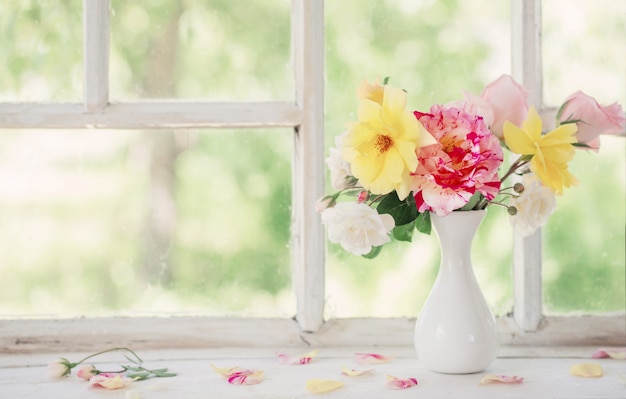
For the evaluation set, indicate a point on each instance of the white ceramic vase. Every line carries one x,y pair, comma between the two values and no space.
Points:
456,331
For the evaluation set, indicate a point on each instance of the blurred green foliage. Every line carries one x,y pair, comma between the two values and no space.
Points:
80,210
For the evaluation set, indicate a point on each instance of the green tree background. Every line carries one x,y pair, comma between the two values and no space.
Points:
93,222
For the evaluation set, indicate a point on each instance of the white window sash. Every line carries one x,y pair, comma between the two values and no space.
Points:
527,252
305,116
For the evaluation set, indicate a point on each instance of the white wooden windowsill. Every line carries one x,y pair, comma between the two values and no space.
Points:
545,371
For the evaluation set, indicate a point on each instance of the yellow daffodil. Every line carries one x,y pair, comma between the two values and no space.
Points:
550,152
381,146
373,92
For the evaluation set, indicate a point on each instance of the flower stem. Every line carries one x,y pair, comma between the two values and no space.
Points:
109,350
521,161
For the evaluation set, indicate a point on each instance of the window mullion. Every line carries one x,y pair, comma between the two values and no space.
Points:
526,65
308,168
96,54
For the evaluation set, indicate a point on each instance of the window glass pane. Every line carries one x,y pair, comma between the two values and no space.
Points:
583,49
435,50
222,50
41,56
584,268
97,222
584,43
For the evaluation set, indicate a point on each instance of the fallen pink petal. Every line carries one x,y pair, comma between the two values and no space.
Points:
587,370
228,371
399,383
110,381
613,353
355,373
303,359
239,375
372,358
316,385
504,379
246,379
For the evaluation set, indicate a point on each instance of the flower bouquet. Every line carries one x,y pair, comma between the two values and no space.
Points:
393,167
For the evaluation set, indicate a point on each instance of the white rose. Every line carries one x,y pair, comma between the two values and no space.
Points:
534,205
357,227
339,168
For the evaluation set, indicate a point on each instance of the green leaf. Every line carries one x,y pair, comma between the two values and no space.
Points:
386,80
139,376
165,375
403,212
422,223
373,253
404,232
472,202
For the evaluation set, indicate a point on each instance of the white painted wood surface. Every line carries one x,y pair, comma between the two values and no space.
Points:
308,246
96,54
25,377
91,334
526,65
151,115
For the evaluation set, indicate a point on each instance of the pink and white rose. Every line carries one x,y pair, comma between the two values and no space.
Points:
502,100
592,118
86,372
464,161
534,206
357,227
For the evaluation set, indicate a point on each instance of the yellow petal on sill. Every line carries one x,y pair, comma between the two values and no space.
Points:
316,385
492,378
353,372
622,376
587,370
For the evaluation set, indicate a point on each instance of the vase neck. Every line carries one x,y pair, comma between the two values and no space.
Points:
456,231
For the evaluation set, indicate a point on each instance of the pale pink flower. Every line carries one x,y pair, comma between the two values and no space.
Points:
322,203
110,381
86,372
357,227
534,206
502,100
59,368
592,118
464,161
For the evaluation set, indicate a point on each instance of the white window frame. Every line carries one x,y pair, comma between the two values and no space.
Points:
527,325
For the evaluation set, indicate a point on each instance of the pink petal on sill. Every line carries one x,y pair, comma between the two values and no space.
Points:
240,376
372,358
587,370
613,353
354,373
228,371
110,381
304,359
246,379
316,385
399,383
492,378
